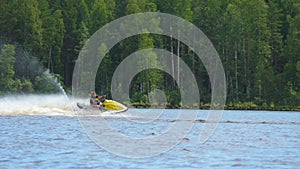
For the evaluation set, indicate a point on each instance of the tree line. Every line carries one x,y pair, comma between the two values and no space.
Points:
258,43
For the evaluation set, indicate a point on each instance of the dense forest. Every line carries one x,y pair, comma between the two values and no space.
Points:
258,42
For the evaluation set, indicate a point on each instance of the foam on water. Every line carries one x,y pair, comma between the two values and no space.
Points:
48,104
56,104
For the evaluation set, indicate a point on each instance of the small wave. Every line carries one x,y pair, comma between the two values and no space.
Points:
222,121
247,122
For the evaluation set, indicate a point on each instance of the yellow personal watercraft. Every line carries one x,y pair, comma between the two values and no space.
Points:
113,105
107,105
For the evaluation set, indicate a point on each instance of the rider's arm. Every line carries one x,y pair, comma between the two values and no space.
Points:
92,102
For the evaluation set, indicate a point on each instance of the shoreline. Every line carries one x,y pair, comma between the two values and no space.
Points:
226,107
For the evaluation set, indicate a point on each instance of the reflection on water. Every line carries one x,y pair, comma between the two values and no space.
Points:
243,139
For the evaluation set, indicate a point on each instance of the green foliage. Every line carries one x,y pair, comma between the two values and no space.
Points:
53,34
257,40
173,98
7,72
20,72
46,83
27,66
26,86
99,15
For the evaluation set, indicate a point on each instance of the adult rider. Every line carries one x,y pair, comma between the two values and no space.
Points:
96,101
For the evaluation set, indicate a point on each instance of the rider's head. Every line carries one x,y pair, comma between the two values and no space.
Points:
93,94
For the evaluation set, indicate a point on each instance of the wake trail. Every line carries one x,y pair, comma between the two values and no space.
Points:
48,105
36,105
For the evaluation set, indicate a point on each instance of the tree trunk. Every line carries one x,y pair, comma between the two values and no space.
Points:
50,64
178,59
236,77
173,69
67,74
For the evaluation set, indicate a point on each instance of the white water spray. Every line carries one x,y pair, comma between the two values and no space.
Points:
55,104
60,87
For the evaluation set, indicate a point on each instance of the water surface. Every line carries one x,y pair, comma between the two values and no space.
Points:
243,139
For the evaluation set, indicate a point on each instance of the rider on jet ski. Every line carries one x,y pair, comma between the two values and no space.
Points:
97,100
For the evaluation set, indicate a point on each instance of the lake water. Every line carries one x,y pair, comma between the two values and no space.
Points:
243,139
